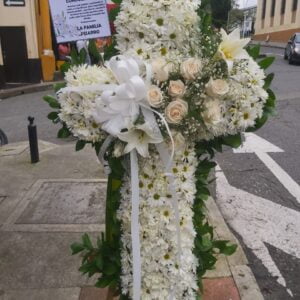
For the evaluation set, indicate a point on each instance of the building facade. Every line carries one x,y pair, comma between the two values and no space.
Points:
26,54
277,20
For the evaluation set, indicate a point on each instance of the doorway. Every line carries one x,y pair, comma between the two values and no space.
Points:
14,52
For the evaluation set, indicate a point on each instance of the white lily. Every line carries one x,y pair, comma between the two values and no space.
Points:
139,137
232,47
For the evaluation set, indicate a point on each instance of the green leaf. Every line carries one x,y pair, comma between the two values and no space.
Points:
229,250
99,262
254,51
76,248
233,141
114,13
99,243
82,56
268,80
225,247
206,243
103,282
53,115
59,86
110,50
116,184
65,67
87,241
96,57
267,62
110,269
271,101
259,123
63,133
80,145
74,57
52,101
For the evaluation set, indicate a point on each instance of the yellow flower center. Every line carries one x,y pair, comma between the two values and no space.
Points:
246,116
227,53
167,256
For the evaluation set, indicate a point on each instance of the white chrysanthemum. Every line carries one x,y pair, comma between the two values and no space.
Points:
161,270
77,107
84,75
156,28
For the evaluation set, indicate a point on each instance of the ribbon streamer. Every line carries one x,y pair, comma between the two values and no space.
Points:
135,226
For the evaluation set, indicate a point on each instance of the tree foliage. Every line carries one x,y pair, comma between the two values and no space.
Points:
219,11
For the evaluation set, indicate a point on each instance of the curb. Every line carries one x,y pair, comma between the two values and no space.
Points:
27,89
268,44
237,263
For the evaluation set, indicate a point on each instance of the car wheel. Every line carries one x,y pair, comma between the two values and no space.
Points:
285,55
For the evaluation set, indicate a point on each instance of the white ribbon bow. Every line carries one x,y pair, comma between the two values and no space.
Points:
119,106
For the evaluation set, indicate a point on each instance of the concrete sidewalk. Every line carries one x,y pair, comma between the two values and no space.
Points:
27,89
47,206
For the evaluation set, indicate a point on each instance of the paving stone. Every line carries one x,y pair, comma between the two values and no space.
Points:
2,198
13,149
66,203
39,261
93,293
45,294
221,269
220,289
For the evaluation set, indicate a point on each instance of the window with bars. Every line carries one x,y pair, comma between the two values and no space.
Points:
283,5
273,8
295,5
263,15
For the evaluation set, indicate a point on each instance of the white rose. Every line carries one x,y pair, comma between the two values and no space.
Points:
176,88
161,69
190,68
212,113
154,96
217,88
176,111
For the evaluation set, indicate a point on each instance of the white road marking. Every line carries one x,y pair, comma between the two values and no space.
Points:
259,146
259,221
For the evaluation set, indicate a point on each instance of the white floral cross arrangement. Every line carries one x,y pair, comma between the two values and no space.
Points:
173,96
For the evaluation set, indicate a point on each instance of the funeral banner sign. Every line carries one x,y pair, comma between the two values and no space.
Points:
75,20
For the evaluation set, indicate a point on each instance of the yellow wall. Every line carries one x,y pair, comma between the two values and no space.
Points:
277,27
22,16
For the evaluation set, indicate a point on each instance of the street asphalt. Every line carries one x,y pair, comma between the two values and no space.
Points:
247,172
276,270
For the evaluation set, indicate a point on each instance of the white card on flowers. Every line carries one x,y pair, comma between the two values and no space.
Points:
75,20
